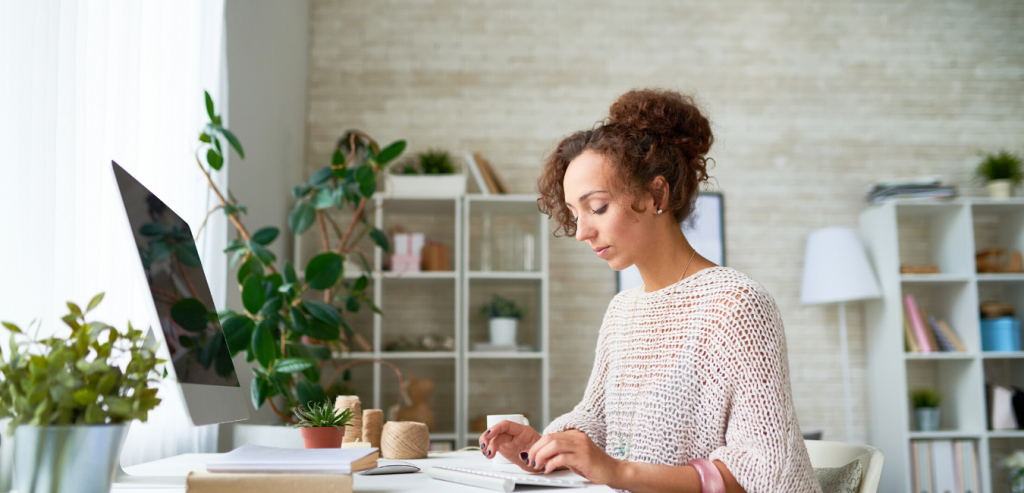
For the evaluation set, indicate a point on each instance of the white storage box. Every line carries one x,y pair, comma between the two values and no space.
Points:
431,186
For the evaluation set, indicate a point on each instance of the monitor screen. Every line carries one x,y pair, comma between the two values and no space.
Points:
184,305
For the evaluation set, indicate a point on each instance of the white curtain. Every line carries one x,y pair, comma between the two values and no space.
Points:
81,84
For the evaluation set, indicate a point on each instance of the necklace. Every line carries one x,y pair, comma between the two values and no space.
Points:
622,449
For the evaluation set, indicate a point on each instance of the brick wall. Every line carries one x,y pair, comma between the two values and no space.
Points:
811,101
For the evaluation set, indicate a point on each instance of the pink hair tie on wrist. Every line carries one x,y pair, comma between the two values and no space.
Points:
711,480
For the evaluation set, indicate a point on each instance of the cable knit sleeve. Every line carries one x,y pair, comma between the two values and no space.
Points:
589,415
764,448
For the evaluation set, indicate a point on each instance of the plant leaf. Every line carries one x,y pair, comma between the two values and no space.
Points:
337,159
190,314
266,256
214,159
289,273
235,144
238,332
209,105
266,236
11,327
300,323
293,365
188,254
251,266
263,344
75,310
323,331
253,294
308,392
154,229
321,175
390,152
324,198
259,391
323,312
301,217
380,239
323,271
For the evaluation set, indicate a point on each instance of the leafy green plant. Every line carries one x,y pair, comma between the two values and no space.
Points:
432,162
294,320
925,397
1002,165
323,415
77,380
501,307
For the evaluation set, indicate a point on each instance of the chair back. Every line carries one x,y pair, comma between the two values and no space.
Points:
838,454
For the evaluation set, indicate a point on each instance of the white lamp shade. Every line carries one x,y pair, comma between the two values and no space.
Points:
836,268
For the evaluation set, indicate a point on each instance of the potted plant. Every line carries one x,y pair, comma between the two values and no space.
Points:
926,408
503,315
72,399
1002,172
322,425
431,174
294,321
1014,463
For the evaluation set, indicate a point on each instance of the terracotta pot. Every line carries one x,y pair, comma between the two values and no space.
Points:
326,437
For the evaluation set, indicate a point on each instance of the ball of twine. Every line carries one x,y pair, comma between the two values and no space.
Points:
405,440
373,426
354,432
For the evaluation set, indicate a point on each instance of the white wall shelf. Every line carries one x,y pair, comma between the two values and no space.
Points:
946,234
455,222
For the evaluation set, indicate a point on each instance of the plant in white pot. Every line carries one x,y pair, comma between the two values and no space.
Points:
1001,172
504,317
323,425
926,408
72,399
430,174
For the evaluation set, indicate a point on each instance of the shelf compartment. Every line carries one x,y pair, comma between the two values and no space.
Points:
962,409
435,218
999,448
503,387
442,400
953,302
415,308
504,235
935,234
504,355
527,295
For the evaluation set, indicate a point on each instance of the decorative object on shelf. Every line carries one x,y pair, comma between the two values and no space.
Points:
1014,463
408,249
1000,330
418,390
994,260
919,269
352,403
431,174
1002,414
323,425
398,373
287,333
70,403
488,347
1001,172
926,408
927,188
836,270
373,426
427,342
404,440
503,315
435,256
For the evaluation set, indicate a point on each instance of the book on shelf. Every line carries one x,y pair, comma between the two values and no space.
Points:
478,176
490,175
908,336
917,324
924,333
941,466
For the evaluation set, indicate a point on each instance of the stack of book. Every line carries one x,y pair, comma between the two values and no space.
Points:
944,466
922,333
923,188
255,469
486,177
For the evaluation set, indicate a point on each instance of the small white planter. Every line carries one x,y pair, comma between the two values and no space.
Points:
281,436
427,186
503,331
1000,189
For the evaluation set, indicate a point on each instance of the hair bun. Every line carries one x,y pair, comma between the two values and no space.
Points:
662,115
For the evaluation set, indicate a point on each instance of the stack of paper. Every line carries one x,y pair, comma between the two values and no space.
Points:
923,188
257,459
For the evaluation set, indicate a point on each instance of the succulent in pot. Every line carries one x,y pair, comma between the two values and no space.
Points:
504,315
71,399
322,425
1001,172
926,408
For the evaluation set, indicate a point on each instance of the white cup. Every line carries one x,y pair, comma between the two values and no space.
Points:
493,419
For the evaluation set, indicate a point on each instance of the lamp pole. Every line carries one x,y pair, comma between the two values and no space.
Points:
845,356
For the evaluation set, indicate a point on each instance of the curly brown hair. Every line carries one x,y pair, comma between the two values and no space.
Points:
648,133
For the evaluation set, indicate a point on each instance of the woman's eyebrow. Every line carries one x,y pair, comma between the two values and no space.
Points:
588,194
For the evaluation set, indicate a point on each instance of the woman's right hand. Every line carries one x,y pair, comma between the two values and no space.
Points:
511,440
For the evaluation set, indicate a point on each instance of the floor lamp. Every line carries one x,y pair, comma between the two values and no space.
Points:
837,270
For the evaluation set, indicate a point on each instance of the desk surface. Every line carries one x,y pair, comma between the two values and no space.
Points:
183,464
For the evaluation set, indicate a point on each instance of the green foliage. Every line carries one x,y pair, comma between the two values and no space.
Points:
77,380
323,415
284,330
1002,165
501,307
432,162
925,397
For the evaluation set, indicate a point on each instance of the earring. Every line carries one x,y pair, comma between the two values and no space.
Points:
660,211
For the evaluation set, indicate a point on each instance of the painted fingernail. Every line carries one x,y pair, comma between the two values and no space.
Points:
483,446
482,451
524,456
488,433
533,464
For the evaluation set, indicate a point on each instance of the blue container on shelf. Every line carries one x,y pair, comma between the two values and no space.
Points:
1000,334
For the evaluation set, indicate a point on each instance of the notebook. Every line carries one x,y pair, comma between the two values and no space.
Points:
257,459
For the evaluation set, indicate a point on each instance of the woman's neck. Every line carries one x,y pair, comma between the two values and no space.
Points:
666,258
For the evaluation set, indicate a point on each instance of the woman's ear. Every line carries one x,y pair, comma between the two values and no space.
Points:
659,192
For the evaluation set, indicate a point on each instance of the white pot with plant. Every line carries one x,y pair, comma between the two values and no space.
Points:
503,315
322,425
1001,172
72,399
926,408
430,174
1014,463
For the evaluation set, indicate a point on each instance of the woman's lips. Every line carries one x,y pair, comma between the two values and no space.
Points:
601,252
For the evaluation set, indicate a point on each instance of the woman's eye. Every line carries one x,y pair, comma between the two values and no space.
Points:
600,211
575,220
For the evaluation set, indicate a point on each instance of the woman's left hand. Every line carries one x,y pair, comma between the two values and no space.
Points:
575,450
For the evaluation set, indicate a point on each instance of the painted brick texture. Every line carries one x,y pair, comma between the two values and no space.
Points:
811,102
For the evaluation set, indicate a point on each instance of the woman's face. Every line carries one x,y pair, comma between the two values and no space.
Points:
604,220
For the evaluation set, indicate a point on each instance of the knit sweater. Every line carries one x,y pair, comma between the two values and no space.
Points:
700,370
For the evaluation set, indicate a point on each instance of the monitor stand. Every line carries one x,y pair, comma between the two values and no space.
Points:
125,480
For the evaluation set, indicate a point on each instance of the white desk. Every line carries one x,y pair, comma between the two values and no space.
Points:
183,464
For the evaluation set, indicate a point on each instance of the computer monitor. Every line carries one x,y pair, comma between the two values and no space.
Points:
183,306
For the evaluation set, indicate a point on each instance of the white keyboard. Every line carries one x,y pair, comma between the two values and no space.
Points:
497,480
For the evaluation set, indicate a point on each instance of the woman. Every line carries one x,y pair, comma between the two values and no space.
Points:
690,388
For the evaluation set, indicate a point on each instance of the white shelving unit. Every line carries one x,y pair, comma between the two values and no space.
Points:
947,234
445,302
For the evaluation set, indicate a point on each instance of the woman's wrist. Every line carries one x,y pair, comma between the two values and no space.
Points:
622,474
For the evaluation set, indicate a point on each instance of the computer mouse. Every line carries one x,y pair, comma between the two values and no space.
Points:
398,468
